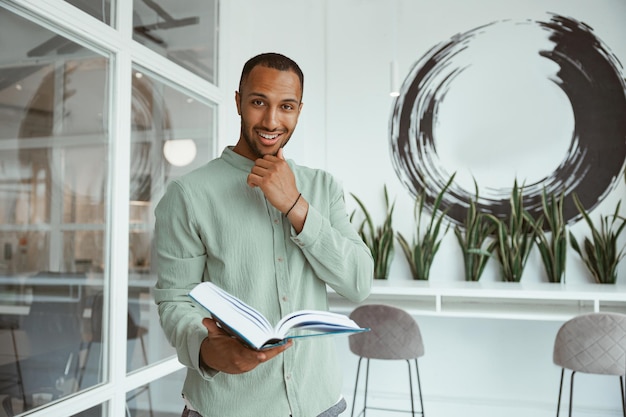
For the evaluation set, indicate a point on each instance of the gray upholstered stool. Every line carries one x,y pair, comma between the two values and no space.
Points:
393,335
593,343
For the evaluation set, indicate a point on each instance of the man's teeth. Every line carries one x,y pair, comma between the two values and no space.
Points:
265,136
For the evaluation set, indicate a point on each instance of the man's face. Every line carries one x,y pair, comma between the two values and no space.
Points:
269,104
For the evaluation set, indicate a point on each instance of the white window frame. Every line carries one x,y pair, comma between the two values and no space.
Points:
116,41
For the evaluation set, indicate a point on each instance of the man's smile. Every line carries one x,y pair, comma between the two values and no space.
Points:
268,139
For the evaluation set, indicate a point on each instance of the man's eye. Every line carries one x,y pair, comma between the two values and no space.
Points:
257,102
287,107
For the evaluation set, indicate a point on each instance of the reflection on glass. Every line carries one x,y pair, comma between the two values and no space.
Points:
183,31
53,147
100,9
97,411
161,115
165,395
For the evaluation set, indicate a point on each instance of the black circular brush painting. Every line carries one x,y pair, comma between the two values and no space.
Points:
542,103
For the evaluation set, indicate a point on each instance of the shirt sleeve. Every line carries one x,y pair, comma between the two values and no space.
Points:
181,260
335,250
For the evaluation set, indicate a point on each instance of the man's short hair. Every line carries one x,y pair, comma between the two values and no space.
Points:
271,60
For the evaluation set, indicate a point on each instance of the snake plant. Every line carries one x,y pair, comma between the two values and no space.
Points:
552,242
379,239
600,253
473,237
514,237
426,241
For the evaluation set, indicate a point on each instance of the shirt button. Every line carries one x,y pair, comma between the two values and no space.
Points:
288,377
279,259
275,221
285,298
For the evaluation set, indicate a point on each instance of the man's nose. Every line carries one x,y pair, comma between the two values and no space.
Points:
270,118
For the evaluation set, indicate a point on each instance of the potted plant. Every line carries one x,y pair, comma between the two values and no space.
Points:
473,237
600,253
514,237
552,241
379,239
421,253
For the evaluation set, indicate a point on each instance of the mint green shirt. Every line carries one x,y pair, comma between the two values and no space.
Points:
212,226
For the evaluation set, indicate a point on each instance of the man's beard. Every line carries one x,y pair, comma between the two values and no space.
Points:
252,145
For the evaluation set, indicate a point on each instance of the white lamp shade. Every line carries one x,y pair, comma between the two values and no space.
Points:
394,90
180,152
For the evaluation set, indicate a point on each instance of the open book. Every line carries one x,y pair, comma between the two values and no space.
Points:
252,328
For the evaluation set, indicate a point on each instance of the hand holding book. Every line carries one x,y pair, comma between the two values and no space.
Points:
252,328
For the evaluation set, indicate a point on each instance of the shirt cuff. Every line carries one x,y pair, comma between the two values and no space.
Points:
311,229
195,342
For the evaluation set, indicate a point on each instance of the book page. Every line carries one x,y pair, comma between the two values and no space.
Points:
241,320
320,321
238,317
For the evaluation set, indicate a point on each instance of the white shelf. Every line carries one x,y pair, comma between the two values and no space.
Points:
501,300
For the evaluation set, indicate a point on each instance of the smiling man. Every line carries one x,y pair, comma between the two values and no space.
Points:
272,233
269,102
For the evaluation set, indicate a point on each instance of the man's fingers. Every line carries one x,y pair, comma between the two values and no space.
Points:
279,154
211,326
271,352
225,353
268,161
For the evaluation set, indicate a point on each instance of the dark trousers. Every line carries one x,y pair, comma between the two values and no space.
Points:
188,413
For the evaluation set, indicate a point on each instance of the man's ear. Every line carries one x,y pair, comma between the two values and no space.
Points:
238,102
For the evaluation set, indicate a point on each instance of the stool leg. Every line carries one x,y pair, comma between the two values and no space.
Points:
558,404
356,383
419,387
83,368
621,391
571,393
20,380
411,389
367,380
145,359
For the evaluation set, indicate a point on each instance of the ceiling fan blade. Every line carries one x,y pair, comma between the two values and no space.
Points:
187,21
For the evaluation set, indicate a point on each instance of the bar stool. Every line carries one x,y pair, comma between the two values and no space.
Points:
133,332
12,324
592,343
393,335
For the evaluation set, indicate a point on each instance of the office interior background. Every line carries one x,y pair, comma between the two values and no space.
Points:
102,102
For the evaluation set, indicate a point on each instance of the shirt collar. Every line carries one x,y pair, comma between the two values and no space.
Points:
234,159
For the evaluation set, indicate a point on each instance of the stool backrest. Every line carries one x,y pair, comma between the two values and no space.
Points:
593,343
394,333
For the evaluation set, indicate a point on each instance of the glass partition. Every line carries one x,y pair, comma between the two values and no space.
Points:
161,397
100,9
53,189
184,32
97,411
172,133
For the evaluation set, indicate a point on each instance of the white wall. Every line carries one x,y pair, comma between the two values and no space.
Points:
481,367
296,29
